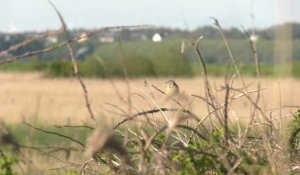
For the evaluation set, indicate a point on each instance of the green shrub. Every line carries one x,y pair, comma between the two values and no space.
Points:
139,65
37,65
294,131
146,58
296,69
6,164
59,69
91,68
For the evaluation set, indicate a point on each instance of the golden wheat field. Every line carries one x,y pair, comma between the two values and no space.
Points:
32,97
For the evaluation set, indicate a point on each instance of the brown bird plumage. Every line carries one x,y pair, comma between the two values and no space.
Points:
172,88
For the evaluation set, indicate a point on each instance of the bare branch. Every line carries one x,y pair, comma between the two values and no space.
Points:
29,41
54,133
155,111
75,67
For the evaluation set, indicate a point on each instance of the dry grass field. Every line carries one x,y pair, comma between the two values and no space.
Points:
31,97
45,102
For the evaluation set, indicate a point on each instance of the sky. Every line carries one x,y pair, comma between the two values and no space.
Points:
38,15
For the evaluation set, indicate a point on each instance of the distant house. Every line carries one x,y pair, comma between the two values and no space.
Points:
7,38
108,37
156,37
51,39
144,38
253,38
83,37
81,51
138,36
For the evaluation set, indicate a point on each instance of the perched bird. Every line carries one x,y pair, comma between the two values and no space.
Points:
172,88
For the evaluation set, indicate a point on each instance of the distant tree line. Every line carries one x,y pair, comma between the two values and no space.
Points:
213,46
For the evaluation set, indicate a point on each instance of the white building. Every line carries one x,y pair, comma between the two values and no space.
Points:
51,40
83,37
106,39
156,37
254,38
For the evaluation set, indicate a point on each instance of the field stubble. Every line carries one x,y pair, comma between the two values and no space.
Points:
31,97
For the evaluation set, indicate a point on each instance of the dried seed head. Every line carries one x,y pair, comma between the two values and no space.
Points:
100,141
176,119
96,142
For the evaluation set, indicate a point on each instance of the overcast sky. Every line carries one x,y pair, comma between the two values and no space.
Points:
29,15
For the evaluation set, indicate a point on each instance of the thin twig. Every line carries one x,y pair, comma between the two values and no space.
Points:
208,94
155,111
55,133
64,43
74,63
176,101
225,112
74,126
29,41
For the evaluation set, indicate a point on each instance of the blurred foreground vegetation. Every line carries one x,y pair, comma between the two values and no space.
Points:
199,156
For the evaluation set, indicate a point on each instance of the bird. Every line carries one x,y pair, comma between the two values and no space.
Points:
172,88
